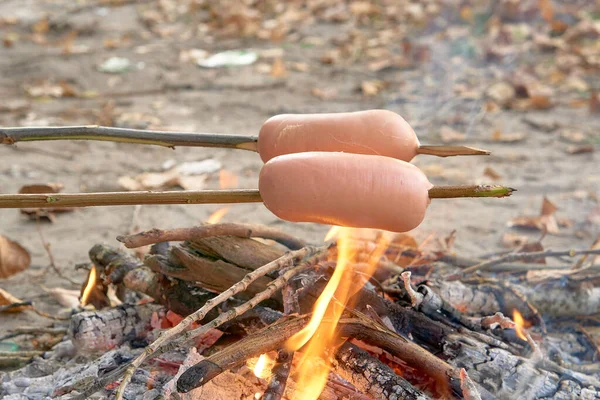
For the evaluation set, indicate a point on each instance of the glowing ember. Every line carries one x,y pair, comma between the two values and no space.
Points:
227,179
88,288
519,323
320,332
217,215
263,366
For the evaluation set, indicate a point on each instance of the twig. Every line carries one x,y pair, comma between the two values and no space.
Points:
465,262
447,192
197,232
450,151
521,256
172,138
139,136
50,255
176,331
236,354
283,364
280,374
55,200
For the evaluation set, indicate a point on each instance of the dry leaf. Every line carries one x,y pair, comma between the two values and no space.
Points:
278,69
300,66
7,299
42,26
331,57
359,8
510,240
13,257
324,94
64,297
548,208
594,103
545,222
498,136
502,93
491,173
582,149
546,10
46,213
572,136
449,135
373,87
539,102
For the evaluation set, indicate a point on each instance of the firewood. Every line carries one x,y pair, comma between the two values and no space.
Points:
99,331
371,376
198,232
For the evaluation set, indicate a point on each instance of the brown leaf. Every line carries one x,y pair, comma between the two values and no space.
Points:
546,10
7,299
65,297
540,102
498,136
580,149
373,87
46,213
278,69
502,93
324,94
13,257
548,208
42,26
491,173
594,103
359,8
510,240
450,135
572,136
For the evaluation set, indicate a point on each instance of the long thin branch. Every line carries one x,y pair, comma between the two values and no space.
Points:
523,257
153,236
173,333
172,138
54,200
139,136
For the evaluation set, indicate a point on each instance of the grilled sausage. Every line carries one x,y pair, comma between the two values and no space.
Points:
377,132
345,189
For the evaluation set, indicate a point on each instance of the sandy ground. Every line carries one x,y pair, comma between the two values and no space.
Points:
164,92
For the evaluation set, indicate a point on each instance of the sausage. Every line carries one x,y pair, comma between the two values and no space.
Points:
354,190
377,132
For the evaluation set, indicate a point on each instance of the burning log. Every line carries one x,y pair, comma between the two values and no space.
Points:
371,376
99,331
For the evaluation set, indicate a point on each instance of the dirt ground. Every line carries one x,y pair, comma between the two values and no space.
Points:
440,79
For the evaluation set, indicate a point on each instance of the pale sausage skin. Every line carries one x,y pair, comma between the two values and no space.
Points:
376,132
354,190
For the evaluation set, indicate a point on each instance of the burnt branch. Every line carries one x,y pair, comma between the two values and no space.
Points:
198,232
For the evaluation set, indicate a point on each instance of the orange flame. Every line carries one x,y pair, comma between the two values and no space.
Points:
263,366
227,179
217,215
320,333
89,286
519,323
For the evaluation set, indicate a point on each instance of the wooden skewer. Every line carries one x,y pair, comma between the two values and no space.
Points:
54,200
172,139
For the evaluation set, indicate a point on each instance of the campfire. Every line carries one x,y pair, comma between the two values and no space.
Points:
247,311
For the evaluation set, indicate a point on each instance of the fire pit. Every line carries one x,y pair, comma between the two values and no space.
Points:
366,314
